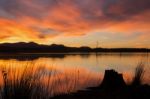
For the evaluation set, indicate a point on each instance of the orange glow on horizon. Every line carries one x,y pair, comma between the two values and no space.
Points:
71,20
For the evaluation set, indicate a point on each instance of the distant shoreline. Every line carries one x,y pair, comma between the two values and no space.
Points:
32,47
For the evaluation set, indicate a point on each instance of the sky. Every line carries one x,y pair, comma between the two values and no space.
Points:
108,23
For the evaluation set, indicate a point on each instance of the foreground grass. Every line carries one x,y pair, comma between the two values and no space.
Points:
28,84
22,85
138,76
33,81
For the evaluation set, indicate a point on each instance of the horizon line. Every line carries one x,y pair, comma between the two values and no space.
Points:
74,46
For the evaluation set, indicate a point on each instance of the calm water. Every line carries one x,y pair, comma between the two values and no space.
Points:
82,70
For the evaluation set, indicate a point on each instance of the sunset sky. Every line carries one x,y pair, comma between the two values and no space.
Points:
112,23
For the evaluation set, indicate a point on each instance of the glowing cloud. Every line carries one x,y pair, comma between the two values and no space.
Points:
43,20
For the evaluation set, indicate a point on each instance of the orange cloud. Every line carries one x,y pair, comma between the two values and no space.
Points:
42,20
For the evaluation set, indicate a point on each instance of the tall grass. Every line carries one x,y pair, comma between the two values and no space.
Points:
138,76
20,85
32,81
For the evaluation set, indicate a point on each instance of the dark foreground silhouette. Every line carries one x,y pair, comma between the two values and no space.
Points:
112,87
28,86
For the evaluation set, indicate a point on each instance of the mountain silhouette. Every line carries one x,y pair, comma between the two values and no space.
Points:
31,47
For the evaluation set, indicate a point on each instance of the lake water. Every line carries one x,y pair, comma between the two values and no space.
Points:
76,71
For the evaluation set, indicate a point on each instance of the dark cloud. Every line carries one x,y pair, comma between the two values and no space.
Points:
89,9
30,8
8,7
124,9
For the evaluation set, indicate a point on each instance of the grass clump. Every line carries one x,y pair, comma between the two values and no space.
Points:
21,85
138,76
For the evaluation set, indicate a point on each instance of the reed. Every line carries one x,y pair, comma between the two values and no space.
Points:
138,76
23,85
36,82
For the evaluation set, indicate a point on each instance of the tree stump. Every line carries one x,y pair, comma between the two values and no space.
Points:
112,80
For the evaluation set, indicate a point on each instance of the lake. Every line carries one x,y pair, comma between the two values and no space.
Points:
74,71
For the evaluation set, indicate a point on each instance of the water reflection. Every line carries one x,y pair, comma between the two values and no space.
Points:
56,79
70,72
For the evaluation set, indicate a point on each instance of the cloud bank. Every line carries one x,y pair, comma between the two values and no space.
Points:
39,20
